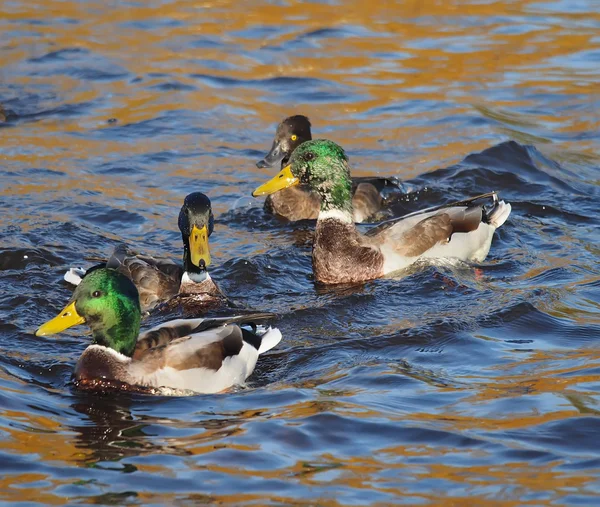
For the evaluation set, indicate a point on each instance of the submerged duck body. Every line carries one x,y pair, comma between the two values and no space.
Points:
341,254
300,203
199,355
160,279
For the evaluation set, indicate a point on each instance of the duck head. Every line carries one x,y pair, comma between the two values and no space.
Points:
322,166
109,304
196,223
291,133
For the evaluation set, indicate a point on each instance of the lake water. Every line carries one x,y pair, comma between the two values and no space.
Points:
448,386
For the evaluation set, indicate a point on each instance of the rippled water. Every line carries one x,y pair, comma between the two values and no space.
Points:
451,386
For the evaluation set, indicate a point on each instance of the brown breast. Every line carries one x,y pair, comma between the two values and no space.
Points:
99,363
340,255
295,203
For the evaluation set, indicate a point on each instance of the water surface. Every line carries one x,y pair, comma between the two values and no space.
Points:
453,385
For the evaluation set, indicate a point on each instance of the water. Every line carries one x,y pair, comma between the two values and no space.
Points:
451,386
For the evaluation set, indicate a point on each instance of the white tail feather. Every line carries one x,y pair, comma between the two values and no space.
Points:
270,338
500,214
73,276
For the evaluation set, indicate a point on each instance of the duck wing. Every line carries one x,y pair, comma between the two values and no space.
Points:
203,355
168,332
413,240
417,216
414,234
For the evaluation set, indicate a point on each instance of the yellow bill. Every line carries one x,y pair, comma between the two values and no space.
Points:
199,251
284,179
64,320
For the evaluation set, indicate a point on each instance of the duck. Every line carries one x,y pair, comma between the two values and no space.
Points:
341,254
299,203
202,355
160,280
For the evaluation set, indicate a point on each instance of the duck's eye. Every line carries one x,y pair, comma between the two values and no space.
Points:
96,294
310,156
294,137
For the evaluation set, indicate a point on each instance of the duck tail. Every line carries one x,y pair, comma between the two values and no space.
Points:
269,337
499,212
74,275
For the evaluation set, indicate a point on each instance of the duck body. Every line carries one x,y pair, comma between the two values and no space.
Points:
300,203
199,355
176,355
159,279
461,231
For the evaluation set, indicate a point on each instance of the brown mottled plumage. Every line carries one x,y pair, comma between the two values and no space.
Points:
295,203
161,280
341,255
156,278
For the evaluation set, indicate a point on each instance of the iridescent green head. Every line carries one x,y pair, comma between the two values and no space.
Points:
321,165
109,303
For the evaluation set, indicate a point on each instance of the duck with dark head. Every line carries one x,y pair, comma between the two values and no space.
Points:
300,203
160,280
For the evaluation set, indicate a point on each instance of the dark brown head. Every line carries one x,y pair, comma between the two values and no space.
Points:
291,133
196,223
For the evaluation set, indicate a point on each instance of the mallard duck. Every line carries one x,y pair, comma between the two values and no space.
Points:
160,279
201,355
341,254
299,203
